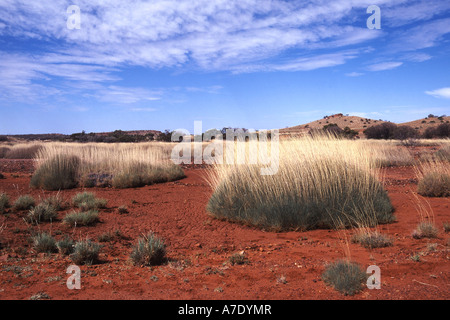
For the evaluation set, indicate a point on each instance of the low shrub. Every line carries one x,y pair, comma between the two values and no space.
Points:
345,276
372,240
41,213
4,202
84,218
54,201
425,230
65,246
88,201
434,184
122,210
238,258
57,173
149,251
43,242
24,202
2,176
85,252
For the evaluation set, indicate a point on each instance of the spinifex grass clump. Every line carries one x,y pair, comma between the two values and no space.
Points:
43,242
371,240
345,276
149,251
85,252
425,230
41,213
85,218
121,165
24,202
4,202
57,173
65,246
319,181
140,174
88,201
434,179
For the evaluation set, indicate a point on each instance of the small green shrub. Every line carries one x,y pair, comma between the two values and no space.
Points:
54,201
238,258
65,246
4,202
41,213
425,230
88,201
57,173
85,252
84,218
24,202
446,226
345,276
149,251
122,210
434,184
43,242
372,240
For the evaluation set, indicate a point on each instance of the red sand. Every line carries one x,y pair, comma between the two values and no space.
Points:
199,247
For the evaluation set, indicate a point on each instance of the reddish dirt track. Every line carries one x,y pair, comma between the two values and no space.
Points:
199,247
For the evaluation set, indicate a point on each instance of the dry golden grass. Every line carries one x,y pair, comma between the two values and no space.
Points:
320,181
99,164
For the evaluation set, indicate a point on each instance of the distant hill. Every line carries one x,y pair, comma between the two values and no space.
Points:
358,124
423,124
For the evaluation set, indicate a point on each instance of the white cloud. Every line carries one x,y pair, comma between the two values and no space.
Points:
440,93
384,66
354,74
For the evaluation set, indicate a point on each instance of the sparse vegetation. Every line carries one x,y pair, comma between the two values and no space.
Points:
434,179
345,276
85,252
87,201
24,202
238,258
371,240
318,181
4,202
41,213
149,251
57,173
43,242
83,218
65,246
425,230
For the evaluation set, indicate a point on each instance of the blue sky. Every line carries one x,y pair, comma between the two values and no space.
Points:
256,64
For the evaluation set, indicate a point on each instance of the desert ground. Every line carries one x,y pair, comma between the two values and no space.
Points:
285,265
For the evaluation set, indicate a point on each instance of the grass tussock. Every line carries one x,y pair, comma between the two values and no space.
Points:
83,218
24,202
434,179
41,213
345,276
55,201
372,239
57,173
22,151
100,165
149,251
4,202
87,201
319,181
43,242
425,230
85,252
65,246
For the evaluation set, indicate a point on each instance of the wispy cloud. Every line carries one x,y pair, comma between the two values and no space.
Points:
384,66
440,93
